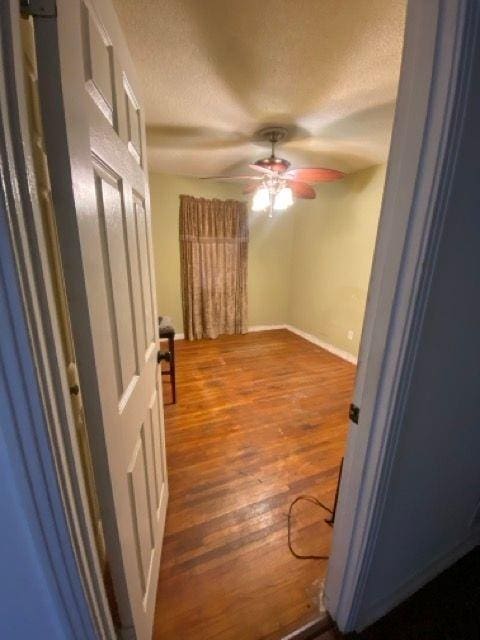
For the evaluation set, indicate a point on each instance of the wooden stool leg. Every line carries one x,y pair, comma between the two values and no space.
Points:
171,348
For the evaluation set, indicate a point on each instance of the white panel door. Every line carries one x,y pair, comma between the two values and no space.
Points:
95,140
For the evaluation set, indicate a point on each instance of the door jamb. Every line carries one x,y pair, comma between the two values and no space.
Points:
55,462
433,91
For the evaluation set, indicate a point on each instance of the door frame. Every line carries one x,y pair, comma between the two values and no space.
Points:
432,94
44,446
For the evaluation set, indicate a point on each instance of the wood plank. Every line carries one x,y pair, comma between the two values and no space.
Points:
260,418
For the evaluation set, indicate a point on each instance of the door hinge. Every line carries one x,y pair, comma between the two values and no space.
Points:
354,413
38,8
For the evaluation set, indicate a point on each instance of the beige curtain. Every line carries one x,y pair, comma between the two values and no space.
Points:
213,255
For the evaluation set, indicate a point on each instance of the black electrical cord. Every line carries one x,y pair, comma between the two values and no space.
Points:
289,527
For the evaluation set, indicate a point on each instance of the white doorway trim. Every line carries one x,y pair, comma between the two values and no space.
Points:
434,88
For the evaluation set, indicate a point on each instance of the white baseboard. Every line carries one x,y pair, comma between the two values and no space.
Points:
416,581
265,327
324,345
257,327
306,336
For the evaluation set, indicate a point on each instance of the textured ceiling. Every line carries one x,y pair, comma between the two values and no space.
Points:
214,71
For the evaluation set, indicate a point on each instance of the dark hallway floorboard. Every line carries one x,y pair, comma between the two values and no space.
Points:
448,608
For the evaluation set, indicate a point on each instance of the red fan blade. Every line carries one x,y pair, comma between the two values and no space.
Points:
302,189
256,167
312,174
232,178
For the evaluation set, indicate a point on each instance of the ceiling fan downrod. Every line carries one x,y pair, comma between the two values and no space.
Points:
273,135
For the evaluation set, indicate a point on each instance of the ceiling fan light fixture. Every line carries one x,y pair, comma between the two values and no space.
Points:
261,199
283,199
279,186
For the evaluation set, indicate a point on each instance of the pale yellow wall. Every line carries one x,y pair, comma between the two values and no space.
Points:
308,267
269,250
269,267
333,248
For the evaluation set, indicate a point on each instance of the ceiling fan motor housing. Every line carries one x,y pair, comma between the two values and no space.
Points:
274,164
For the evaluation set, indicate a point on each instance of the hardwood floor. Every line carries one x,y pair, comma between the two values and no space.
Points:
259,419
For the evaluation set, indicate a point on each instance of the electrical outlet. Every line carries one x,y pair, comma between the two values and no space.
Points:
350,334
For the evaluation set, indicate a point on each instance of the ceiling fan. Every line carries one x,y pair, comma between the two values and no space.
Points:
276,187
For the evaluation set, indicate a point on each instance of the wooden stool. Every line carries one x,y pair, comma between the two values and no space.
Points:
167,332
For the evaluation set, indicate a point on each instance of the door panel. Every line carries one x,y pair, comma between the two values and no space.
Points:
112,230
99,181
156,448
146,276
141,509
98,64
134,126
